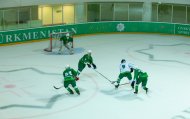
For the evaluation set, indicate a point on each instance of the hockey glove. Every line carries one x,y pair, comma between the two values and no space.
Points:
89,66
116,86
94,66
131,70
76,78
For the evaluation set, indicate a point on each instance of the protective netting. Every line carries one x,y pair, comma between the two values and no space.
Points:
54,41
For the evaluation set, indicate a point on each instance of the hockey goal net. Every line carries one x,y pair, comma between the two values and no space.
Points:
54,40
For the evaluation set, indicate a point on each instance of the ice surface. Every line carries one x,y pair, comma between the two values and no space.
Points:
28,74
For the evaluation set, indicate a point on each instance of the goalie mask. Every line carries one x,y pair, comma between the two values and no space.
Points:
67,35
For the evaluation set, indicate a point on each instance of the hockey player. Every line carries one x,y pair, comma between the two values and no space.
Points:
69,75
86,60
67,41
125,71
140,77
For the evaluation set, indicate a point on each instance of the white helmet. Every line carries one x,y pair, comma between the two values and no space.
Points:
67,66
67,34
89,51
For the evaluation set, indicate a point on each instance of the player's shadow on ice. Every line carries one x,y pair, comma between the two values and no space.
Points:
125,95
48,102
129,97
111,92
47,105
65,52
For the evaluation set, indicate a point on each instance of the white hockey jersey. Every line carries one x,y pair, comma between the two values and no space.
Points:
125,67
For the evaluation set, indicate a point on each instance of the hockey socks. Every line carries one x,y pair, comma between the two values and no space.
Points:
146,89
70,91
136,89
78,73
77,90
132,84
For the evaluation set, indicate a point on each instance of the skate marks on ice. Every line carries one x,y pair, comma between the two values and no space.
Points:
114,91
125,95
130,96
65,52
124,92
182,49
48,105
48,102
29,68
60,101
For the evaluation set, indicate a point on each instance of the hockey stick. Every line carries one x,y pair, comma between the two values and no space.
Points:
124,84
58,87
103,76
112,82
120,84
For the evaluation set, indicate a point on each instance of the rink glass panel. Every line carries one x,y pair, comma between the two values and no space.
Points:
24,15
121,12
68,14
44,15
1,20
188,14
179,14
47,17
93,12
57,14
154,12
11,18
164,13
106,11
135,11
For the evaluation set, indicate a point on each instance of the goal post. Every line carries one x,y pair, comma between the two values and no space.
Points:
54,40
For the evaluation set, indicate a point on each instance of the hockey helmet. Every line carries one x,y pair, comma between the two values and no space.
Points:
67,66
67,34
89,51
123,61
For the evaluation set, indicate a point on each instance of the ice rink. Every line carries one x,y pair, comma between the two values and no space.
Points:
28,74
